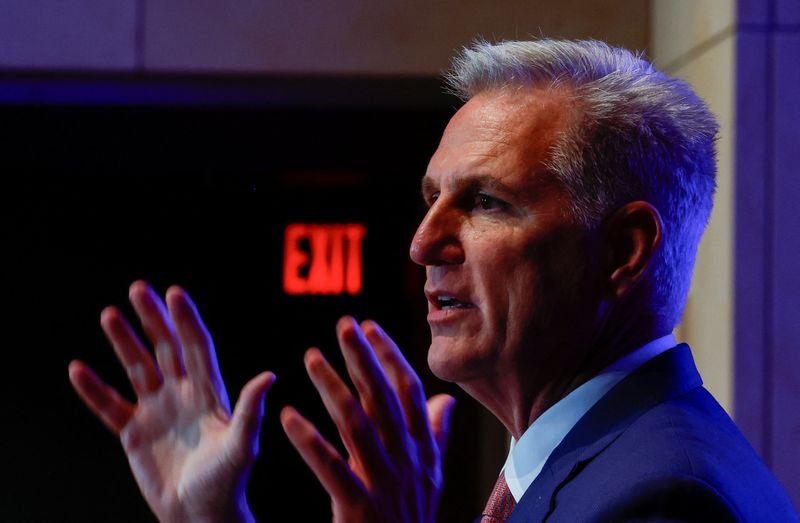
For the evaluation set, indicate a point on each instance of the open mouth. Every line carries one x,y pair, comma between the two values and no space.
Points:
448,302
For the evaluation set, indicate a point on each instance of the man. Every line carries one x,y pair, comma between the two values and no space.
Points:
566,201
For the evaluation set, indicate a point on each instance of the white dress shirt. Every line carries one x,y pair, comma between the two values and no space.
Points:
527,456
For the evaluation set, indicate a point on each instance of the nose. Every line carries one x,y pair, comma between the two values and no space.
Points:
437,240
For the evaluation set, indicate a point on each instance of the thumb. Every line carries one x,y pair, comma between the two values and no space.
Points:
249,411
440,407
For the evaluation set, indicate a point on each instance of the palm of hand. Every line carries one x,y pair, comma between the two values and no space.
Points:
189,455
395,438
182,452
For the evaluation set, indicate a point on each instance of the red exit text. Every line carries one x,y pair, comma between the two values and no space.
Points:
322,259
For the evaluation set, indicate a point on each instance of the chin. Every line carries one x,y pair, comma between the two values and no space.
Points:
439,366
450,361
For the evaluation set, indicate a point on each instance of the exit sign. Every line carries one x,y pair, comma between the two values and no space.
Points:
322,258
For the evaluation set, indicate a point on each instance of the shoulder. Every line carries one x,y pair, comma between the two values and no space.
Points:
668,497
683,460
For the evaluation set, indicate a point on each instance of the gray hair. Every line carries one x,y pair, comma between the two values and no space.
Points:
640,135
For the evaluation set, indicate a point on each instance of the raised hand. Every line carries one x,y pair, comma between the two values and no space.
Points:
394,437
189,455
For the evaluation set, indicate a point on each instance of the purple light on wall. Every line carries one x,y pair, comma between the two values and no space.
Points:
767,364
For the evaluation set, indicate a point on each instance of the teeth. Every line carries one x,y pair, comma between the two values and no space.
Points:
448,302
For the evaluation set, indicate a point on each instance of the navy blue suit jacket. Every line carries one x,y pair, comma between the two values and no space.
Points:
656,447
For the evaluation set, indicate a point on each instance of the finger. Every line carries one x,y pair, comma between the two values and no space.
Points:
199,355
139,365
324,461
155,322
440,408
377,397
105,402
408,387
355,427
249,412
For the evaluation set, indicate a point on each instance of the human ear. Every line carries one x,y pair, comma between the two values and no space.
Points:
634,233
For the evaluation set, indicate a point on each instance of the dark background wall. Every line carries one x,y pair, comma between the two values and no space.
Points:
97,196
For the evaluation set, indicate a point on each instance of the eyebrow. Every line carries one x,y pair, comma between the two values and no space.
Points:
473,181
427,187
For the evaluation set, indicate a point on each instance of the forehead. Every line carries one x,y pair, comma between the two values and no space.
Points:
504,133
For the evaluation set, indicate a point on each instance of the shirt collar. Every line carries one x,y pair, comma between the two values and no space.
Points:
527,456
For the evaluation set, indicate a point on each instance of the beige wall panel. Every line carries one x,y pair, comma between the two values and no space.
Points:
353,36
67,34
707,324
687,27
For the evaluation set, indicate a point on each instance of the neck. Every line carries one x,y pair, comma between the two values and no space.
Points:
520,393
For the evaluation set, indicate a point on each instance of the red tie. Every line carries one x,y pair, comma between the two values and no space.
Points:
500,504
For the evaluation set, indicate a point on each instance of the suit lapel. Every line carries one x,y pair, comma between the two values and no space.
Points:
668,375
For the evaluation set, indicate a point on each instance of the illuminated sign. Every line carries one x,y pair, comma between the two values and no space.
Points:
322,259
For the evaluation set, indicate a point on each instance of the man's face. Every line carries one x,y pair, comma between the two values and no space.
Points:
505,265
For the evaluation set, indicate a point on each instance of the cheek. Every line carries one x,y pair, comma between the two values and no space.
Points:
527,301
512,284
541,283
563,287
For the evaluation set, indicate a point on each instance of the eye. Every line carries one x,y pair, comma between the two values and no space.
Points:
488,203
431,198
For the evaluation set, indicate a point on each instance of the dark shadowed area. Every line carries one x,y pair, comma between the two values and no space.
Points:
96,196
